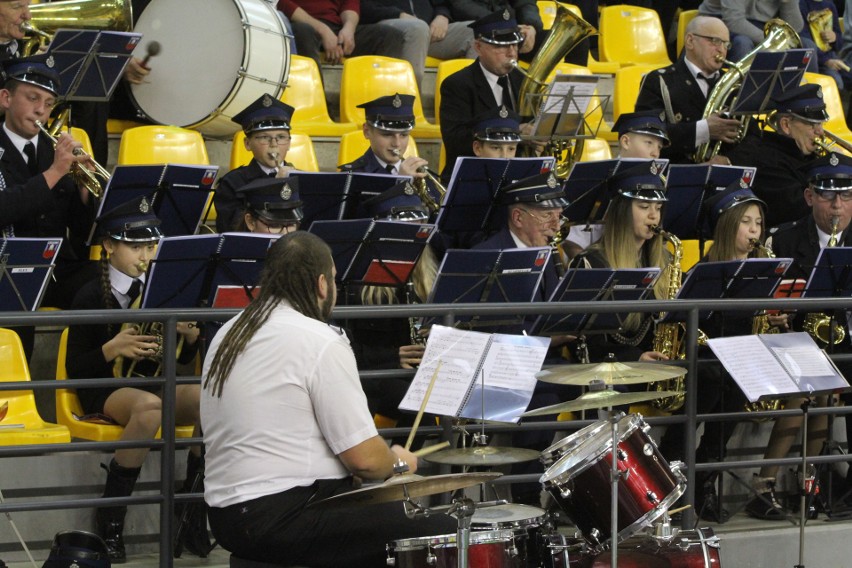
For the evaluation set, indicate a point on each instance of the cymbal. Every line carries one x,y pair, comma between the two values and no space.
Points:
398,487
483,455
614,373
600,399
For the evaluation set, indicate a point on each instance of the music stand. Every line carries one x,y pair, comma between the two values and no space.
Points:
688,186
25,267
469,205
90,63
770,74
188,271
489,276
328,196
832,274
177,193
590,284
563,109
374,253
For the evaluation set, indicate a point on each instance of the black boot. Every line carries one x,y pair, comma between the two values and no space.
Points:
110,520
191,521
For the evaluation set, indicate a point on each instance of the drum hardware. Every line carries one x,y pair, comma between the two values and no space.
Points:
611,373
92,180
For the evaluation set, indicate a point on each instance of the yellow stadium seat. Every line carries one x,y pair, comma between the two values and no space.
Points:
683,20
82,137
632,35
432,61
547,12
68,406
833,105
22,424
445,69
369,77
301,152
595,116
156,144
442,159
353,145
595,149
305,93
691,252
117,125
626,88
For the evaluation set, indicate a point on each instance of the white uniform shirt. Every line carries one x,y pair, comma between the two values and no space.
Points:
291,404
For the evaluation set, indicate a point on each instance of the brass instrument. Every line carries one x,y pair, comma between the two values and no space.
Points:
555,244
92,180
778,37
820,21
829,142
414,323
821,326
422,189
568,30
89,14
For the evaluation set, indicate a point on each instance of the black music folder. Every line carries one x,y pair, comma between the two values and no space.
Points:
25,267
189,271
591,284
177,193
469,205
328,196
90,63
688,186
832,274
378,253
770,74
489,276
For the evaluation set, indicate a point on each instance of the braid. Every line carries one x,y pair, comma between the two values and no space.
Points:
107,298
290,274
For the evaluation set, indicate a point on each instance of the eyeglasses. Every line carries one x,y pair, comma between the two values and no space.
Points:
716,41
826,196
278,228
545,217
266,139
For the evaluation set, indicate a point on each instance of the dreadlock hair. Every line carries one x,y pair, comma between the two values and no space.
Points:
290,273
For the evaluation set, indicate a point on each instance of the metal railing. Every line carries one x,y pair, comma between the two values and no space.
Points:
448,314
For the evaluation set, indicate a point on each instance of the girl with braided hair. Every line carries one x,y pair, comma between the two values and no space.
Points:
129,236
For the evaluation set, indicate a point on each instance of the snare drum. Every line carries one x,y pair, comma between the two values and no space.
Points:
580,484
487,549
217,57
528,525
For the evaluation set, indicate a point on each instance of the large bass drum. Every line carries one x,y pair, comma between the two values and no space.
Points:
686,549
217,57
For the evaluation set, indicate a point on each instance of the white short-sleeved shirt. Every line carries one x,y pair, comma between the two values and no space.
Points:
291,404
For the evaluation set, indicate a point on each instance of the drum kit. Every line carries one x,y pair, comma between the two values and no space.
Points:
608,478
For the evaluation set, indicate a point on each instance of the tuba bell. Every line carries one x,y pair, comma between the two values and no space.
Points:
89,14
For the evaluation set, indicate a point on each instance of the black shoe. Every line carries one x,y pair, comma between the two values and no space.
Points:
709,508
110,529
192,534
766,506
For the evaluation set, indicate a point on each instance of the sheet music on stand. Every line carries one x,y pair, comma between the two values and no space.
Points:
188,271
90,63
377,253
756,278
489,276
566,108
177,193
592,284
469,204
26,265
770,74
329,196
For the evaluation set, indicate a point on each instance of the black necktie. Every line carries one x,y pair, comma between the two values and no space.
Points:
32,160
711,81
508,95
133,291
389,168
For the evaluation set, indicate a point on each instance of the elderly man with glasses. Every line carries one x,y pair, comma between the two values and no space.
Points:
682,90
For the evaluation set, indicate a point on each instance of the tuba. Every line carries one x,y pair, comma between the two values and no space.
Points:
820,21
778,37
89,14
568,30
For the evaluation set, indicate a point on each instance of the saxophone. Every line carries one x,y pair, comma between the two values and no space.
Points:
823,328
555,244
778,36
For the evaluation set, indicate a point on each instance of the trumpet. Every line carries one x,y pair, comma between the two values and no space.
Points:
93,181
828,142
421,188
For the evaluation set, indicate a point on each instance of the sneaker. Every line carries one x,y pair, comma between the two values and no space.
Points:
766,505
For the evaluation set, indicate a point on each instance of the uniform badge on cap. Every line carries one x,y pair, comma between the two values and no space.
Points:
408,189
503,112
506,14
397,102
286,192
144,206
819,93
551,181
49,61
834,160
267,100
663,116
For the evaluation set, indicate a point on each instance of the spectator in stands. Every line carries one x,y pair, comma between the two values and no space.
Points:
266,123
641,134
746,21
496,133
681,89
426,27
822,26
781,153
129,234
271,205
388,124
525,13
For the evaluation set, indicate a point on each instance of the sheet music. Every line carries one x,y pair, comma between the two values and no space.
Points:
513,361
751,365
800,362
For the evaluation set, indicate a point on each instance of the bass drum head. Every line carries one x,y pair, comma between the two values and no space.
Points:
216,58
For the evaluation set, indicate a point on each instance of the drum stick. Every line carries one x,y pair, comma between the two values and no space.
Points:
679,509
431,449
423,406
152,50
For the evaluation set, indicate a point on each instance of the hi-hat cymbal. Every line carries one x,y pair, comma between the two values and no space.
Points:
483,455
398,487
600,399
613,373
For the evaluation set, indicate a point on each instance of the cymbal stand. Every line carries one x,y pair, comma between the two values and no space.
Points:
615,475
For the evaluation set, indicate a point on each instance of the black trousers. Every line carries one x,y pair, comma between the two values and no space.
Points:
281,528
